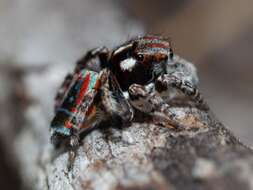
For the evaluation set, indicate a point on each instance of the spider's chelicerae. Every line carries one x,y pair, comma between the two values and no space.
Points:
138,76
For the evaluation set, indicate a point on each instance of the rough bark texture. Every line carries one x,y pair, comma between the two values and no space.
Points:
145,156
204,155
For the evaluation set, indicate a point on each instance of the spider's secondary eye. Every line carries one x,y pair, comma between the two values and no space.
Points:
171,54
140,57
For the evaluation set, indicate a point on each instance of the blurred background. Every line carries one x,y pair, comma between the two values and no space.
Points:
217,36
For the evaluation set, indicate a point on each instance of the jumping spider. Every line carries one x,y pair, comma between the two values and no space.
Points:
116,84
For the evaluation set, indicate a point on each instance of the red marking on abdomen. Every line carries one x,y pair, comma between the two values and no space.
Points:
83,89
97,84
151,37
90,110
68,124
157,45
73,110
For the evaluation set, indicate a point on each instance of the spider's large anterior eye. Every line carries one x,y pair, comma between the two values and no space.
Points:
139,57
171,54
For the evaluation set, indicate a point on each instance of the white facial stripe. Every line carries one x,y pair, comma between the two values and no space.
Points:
128,64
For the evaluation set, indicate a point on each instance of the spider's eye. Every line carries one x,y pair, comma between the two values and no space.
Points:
139,57
171,54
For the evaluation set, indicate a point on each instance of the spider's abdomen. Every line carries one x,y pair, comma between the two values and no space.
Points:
76,103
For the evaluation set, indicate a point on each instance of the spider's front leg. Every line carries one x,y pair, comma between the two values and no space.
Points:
114,103
165,81
148,101
140,98
93,60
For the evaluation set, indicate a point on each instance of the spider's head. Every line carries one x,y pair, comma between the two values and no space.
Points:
141,60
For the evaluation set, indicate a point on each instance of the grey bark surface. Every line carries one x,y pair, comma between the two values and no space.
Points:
204,155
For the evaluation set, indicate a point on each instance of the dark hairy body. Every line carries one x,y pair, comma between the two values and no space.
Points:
116,85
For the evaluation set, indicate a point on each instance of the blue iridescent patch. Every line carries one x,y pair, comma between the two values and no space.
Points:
65,111
93,79
71,99
78,85
61,130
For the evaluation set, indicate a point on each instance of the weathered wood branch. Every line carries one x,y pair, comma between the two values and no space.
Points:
204,155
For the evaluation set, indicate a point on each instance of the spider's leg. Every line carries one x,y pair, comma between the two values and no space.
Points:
94,60
139,98
165,81
151,103
62,91
114,102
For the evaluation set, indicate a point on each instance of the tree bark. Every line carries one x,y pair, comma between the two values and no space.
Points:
203,155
